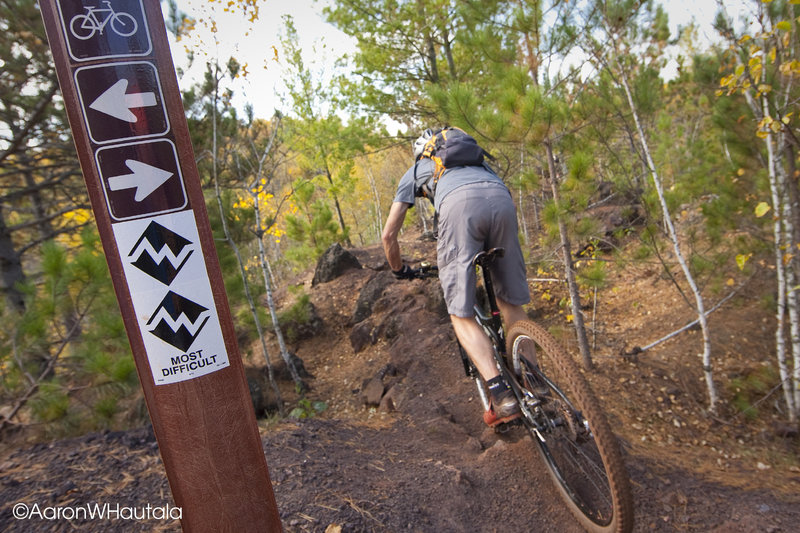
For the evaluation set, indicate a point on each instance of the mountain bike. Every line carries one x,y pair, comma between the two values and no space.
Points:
559,412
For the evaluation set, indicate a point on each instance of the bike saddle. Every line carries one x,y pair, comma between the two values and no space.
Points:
485,256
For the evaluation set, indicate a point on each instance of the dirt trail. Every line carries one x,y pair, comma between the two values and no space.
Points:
429,464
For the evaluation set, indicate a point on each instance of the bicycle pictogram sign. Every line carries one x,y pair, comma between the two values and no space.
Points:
96,19
105,28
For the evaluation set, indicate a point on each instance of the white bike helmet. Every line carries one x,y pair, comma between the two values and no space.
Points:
419,144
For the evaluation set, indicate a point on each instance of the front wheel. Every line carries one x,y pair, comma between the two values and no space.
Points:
570,430
124,24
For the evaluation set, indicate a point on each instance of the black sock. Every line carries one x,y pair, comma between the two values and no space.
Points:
497,386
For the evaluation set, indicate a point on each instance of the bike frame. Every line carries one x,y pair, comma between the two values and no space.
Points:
92,11
492,325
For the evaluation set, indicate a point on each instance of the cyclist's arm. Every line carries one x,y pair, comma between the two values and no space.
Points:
397,214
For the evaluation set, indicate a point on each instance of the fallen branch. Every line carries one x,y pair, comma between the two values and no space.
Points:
638,350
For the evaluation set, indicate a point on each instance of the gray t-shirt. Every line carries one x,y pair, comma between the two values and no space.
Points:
452,179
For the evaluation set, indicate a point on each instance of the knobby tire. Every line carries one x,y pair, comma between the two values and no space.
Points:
585,465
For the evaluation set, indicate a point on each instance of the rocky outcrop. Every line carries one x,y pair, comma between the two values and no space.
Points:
333,263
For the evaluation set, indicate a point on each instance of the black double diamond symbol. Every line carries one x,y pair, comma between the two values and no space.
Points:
161,253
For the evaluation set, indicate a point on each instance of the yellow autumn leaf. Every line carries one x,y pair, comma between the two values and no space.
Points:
742,259
762,209
730,282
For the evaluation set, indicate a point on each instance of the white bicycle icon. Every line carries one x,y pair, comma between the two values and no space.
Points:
84,26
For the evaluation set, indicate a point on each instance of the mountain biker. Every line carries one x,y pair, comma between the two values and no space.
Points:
476,213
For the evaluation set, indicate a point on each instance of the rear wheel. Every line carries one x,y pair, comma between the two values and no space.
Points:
570,430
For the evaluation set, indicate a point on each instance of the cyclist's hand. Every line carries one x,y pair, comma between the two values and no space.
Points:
405,273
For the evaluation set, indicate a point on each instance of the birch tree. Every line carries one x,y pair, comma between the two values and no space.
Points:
765,73
615,41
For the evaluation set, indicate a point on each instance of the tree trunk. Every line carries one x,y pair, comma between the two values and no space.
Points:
337,206
673,235
230,241
569,268
789,375
374,188
270,300
780,316
11,273
792,217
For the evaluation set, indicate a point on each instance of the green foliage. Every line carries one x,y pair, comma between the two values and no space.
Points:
68,352
642,253
51,402
313,229
294,318
750,389
308,409
593,274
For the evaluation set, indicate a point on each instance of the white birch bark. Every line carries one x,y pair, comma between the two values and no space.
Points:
788,378
255,191
262,255
569,268
673,235
237,253
791,282
781,271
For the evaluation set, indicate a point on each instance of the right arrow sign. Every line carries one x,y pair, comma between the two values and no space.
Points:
141,179
145,179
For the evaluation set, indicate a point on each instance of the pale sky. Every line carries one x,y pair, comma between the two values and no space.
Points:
251,43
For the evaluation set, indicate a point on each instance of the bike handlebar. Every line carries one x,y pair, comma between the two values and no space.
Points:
426,270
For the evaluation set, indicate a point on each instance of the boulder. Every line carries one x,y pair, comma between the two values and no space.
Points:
333,263
362,334
371,292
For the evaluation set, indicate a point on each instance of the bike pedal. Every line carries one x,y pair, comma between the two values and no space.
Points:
505,427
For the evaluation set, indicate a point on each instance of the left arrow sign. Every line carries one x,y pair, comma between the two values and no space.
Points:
145,178
116,103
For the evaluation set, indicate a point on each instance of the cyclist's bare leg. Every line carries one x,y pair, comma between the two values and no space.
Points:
477,345
512,314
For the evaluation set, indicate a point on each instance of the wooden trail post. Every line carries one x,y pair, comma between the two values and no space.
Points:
127,119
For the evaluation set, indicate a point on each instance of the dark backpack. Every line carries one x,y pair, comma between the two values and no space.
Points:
447,148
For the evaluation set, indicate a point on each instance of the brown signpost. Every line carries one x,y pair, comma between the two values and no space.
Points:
127,119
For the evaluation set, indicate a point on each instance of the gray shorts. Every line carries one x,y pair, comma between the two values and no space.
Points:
473,218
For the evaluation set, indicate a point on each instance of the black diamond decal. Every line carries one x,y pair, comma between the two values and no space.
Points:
178,320
160,253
